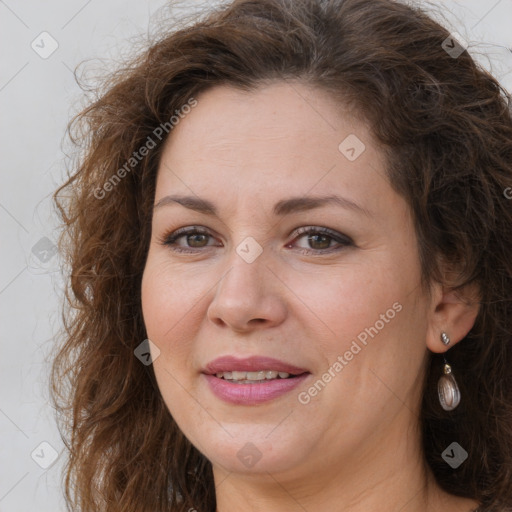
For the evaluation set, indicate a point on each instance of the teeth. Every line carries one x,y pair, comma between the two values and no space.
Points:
255,375
252,376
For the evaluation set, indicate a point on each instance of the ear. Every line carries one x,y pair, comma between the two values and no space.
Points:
452,312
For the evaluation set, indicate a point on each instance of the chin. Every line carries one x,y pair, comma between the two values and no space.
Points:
251,450
255,459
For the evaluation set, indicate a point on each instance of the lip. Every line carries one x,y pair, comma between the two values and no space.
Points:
251,394
250,364
255,393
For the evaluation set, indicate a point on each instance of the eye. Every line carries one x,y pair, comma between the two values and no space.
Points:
320,239
196,236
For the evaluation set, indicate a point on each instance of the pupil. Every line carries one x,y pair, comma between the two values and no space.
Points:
195,236
325,237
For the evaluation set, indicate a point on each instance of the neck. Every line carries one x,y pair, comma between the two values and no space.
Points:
382,475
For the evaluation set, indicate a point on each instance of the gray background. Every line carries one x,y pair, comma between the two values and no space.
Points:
37,98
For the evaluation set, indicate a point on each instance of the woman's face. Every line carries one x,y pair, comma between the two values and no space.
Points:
343,308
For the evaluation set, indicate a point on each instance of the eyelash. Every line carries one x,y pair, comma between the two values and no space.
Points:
169,239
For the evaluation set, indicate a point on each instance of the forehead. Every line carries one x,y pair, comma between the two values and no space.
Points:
271,115
283,137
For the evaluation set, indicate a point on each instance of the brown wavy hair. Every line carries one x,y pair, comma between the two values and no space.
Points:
446,129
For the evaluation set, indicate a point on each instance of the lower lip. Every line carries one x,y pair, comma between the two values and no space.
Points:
251,394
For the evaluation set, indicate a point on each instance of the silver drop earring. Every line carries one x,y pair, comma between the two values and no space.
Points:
447,388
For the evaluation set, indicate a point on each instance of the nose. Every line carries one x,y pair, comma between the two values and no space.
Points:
248,297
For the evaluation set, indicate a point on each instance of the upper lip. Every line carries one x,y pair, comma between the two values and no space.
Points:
250,364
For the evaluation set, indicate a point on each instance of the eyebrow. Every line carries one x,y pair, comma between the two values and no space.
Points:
281,208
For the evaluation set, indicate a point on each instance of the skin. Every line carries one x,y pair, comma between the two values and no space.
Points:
356,445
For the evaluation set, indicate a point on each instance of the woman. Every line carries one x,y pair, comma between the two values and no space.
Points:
289,242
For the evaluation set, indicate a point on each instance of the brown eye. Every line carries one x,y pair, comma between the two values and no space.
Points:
195,238
319,240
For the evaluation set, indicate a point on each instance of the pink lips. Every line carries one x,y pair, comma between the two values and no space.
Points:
250,364
257,392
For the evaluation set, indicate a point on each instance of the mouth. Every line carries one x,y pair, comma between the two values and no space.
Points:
238,377
252,380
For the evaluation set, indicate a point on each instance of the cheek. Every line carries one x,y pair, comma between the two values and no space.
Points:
342,302
373,317
169,295
167,307
166,304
